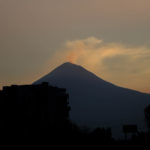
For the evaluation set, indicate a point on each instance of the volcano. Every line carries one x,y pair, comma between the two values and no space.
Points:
97,103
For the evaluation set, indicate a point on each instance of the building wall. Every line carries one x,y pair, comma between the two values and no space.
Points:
33,108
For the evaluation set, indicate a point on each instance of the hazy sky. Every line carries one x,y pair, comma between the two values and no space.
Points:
109,37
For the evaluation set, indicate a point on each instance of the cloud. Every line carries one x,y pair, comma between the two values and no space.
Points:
80,48
123,65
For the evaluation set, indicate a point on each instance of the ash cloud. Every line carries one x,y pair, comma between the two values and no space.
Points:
115,62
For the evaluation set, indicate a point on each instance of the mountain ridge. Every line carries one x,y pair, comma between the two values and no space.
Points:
69,65
97,103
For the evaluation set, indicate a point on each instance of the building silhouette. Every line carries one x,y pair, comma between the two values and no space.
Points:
32,110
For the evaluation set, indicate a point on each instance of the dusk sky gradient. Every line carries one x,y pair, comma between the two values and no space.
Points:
111,38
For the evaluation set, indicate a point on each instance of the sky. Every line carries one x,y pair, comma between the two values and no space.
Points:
111,38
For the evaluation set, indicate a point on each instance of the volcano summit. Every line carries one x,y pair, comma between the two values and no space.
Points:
98,103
